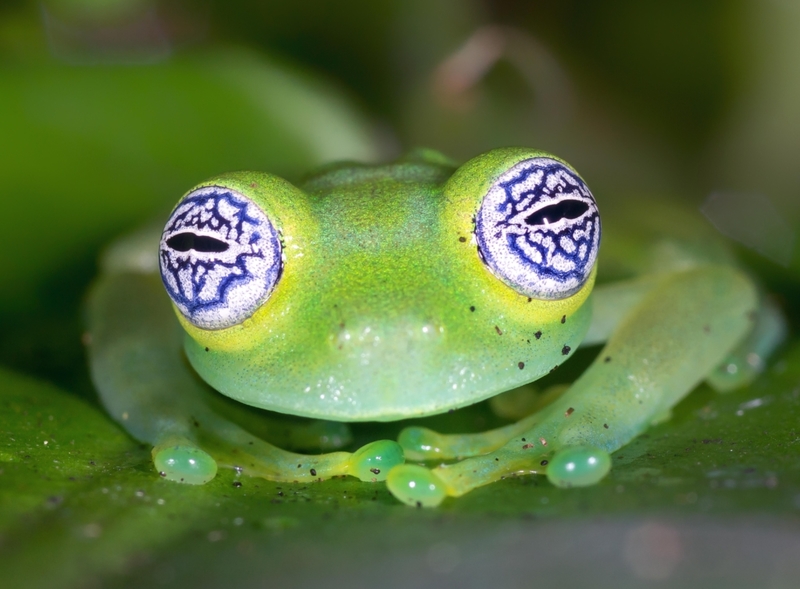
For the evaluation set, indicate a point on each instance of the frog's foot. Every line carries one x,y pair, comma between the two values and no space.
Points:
576,466
748,359
422,444
216,442
417,485
370,463
178,459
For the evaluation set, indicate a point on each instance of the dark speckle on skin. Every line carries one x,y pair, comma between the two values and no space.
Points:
543,463
607,359
375,470
313,472
472,308
565,350
498,330
563,319
237,484
537,335
521,365
605,425
529,299
206,349
462,239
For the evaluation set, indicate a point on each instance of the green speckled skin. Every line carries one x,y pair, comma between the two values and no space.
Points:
385,310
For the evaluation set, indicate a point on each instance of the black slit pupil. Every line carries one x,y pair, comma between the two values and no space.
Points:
566,209
183,242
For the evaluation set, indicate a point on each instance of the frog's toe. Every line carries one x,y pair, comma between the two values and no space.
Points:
421,443
183,462
578,466
373,461
416,485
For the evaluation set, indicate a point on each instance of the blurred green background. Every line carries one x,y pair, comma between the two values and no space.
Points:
110,109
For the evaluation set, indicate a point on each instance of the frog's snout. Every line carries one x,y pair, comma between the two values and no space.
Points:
368,341
386,369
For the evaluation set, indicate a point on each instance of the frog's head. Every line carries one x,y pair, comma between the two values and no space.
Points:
383,292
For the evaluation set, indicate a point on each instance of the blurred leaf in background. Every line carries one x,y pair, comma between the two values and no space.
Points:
110,110
96,146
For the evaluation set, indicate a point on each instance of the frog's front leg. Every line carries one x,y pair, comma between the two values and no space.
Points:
664,347
422,443
145,383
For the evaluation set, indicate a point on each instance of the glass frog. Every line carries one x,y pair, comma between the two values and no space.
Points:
380,293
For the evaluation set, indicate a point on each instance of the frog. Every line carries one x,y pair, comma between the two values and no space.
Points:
394,291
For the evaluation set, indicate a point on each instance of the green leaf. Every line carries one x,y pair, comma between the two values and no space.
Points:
81,496
97,150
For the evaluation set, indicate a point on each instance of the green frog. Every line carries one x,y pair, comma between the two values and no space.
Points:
403,290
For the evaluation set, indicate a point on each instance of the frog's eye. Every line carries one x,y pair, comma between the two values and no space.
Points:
538,229
220,257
